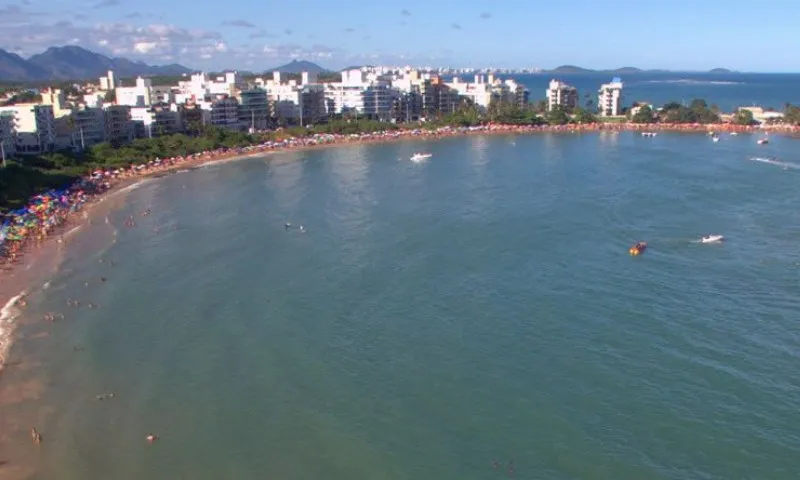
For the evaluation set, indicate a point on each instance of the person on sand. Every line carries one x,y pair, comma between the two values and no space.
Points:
36,436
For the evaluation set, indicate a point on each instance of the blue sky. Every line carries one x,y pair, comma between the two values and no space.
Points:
257,34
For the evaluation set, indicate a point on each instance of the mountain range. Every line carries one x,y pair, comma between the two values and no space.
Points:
75,63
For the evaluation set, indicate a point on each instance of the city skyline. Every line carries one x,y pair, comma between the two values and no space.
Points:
677,35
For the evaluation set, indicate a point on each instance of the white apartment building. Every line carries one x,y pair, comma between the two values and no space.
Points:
55,97
363,91
479,92
154,121
109,82
94,99
34,127
340,98
200,85
119,127
561,94
224,112
7,135
609,99
162,94
140,95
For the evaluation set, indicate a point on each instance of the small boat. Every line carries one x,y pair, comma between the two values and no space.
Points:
648,134
418,157
734,133
715,139
763,141
712,239
637,249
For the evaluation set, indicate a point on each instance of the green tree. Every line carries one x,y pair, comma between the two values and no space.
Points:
644,115
791,114
744,117
583,116
557,116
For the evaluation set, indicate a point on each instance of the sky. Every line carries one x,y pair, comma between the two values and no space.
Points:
745,35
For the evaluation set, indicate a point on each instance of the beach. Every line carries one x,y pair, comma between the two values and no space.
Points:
18,257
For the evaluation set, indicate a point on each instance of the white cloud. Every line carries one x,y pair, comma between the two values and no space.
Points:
145,47
28,32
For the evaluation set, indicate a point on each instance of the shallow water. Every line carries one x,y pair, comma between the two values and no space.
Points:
434,318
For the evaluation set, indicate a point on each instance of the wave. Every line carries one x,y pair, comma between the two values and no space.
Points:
690,81
7,315
775,162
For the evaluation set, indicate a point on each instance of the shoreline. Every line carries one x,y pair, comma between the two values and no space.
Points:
105,185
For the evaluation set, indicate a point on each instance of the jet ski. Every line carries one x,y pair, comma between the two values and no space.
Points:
711,239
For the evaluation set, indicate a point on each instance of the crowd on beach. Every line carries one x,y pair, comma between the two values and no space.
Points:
45,213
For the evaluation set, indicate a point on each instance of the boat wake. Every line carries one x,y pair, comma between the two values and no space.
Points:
777,163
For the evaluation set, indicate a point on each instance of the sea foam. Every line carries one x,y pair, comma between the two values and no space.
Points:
7,315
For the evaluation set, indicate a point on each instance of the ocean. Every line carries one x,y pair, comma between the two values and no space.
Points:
474,316
726,90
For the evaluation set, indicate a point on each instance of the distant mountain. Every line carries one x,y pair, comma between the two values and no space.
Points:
75,63
15,68
720,70
299,66
572,69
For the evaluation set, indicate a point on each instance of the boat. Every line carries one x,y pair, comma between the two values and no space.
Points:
637,249
734,133
418,157
763,141
711,238
648,134
715,139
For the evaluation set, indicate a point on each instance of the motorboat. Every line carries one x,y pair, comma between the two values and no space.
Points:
715,139
712,239
637,249
418,157
763,141
734,133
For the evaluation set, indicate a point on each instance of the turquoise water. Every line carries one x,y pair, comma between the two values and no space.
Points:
436,318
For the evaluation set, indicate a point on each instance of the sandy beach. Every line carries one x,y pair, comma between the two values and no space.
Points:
36,259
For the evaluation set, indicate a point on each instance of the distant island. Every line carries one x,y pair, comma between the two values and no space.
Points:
572,69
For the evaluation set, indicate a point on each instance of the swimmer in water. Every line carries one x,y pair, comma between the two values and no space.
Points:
302,228
287,226
151,438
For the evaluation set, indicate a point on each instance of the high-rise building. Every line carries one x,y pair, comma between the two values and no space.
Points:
610,98
559,94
